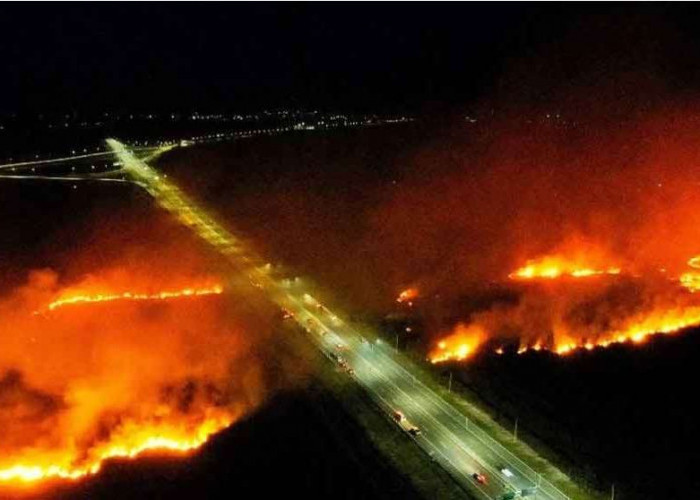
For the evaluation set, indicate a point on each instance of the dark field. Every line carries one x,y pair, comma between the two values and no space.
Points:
308,200
623,415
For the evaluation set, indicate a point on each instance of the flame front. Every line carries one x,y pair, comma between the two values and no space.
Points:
93,384
553,266
78,298
638,331
135,439
462,343
466,339
576,317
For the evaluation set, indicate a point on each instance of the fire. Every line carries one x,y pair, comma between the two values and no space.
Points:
637,332
135,441
459,345
579,319
407,296
72,298
691,279
466,339
553,266
93,384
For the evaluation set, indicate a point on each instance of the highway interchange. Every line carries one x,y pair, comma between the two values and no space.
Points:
450,439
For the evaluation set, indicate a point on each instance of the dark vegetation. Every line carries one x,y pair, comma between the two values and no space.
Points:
622,415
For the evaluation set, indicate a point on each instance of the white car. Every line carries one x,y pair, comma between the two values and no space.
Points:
506,472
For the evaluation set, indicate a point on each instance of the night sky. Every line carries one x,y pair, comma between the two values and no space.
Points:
356,57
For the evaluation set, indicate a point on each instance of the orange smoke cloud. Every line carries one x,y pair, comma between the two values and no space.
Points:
121,375
565,316
582,217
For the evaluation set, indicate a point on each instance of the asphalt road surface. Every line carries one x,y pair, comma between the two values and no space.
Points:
456,443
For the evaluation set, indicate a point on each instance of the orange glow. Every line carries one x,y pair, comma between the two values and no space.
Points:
666,312
78,298
93,384
407,296
553,266
135,440
691,279
466,339
638,331
459,345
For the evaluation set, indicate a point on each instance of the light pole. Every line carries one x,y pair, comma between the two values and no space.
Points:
515,429
449,383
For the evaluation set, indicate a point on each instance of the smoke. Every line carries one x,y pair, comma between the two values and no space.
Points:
95,379
586,157
82,380
585,154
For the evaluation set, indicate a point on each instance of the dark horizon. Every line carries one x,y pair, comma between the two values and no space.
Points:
167,58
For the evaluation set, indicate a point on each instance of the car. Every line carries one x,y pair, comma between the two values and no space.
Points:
479,478
398,416
414,431
506,472
351,372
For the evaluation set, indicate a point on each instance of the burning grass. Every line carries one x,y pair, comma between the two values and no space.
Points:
117,374
560,313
